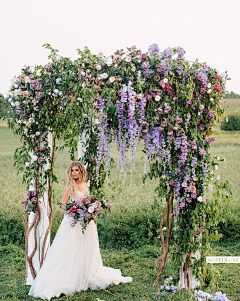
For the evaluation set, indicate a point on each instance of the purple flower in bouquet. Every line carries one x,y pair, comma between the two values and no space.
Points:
79,211
168,53
180,52
73,222
40,160
167,109
164,67
154,50
58,80
41,148
202,152
179,70
25,208
48,67
145,65
39,95
18,112
172,182
147,72
189,102
194,195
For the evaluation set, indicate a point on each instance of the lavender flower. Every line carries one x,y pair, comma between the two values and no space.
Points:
154,50
168,53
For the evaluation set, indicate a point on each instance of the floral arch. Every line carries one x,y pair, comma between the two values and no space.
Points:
160,97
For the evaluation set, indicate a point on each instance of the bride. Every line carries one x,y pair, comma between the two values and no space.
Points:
74,262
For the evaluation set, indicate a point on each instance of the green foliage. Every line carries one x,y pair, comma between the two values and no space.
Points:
233,123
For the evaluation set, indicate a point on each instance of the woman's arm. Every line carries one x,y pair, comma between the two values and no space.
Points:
65,198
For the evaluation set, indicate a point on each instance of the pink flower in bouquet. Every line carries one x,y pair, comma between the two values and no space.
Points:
170,133
41,148
25,208
164,123
79,211
179,120
26,93
71,214
160,129
145,65
117,58
167,88
192,188
204,66
162,83
167,109
172,182
25,200
195,178
100,54
34,200
98,203
106,204
84,200
40,160
112,79
175,128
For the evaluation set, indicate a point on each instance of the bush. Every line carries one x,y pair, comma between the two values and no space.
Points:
233,123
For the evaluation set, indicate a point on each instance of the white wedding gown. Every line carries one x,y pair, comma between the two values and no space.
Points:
74,263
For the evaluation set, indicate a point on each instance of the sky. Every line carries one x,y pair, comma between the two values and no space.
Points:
208,30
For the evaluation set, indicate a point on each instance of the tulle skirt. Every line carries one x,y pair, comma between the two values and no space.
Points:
74,264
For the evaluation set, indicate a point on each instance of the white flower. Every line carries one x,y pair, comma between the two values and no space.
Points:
164,228
174,56
218,158
26,164
34,157
224,159
211,99
157,98
216,167
56,91
133,69
139,96
209,91
25,130
218,177
60,93
96,121
109,62
13,104
15,86
201,107
200,199
32,136
27,79
83,65
83,73
91,209
49,93
79,99
19,121
37,133
98,67
112,79
209,85
104,75
38,72
94,205
128,59
83,85
165,80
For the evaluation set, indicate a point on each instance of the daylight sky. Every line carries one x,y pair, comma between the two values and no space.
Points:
207,30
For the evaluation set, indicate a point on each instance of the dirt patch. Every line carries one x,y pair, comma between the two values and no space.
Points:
3,123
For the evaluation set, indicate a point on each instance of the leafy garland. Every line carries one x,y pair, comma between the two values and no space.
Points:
160,97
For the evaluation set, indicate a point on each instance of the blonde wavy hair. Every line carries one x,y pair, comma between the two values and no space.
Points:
71,185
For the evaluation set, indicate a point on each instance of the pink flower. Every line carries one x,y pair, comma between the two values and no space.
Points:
25,208
204,66
100,54
25,200
41,148
172,182
34,200
160,129
164,123
170,133
162,83
128,59
145,65
192,188
112,79
179,120
40,160
175,128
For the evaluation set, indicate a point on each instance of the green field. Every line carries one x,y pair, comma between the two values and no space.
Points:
128,237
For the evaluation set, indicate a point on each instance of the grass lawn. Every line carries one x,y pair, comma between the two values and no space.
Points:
130,198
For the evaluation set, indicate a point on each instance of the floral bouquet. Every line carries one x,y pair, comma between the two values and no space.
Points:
86,209
30,202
